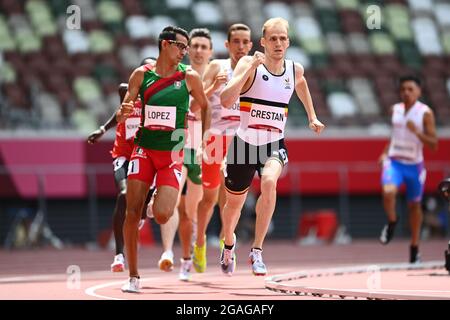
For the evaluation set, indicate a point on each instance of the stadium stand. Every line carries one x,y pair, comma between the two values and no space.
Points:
52,77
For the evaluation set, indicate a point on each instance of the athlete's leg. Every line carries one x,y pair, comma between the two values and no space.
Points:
231,213
415,222
265,205
188,216
221,202
119,215
415,177
164,203
136,194
204,212
389,201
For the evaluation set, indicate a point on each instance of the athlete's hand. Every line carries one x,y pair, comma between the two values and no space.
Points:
220,79
411,126
257,59
125,110
383,157
97,134
316,126
199,154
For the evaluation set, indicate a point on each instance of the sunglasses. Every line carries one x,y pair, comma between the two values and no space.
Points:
180,45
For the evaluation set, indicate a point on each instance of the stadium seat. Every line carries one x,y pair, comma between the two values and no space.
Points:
442,13
382,43
336,43
7,73
347,4
297,54
138,27
341,105
50,111
207,14
7,42
426,36
277,9
100,41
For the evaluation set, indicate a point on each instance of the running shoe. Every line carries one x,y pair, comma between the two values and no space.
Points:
228,259
258,266
387,233
118,264
414,255
199,258
132,285
166,261
185,270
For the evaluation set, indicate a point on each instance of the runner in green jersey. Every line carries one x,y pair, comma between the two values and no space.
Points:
164,90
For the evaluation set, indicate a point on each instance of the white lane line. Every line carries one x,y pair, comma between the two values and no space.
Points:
91,290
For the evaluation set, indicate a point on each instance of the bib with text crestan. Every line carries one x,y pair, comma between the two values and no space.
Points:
160,118
267,118
232,114
131,127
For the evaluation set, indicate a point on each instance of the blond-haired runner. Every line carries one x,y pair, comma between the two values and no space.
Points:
264,83
223,125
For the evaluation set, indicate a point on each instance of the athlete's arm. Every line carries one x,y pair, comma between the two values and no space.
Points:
111,122
384,154
241,79
195,87
131,96
302,90
428,136
213,78
97,134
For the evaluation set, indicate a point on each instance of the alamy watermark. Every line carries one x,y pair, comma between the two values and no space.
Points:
373,282
73,21
73,281
373,20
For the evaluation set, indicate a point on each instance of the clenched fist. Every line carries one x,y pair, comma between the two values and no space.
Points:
125,110
316,126
258,58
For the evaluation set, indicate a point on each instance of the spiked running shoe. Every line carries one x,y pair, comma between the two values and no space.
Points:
132,285
166,261
258,266
185,270
118,264
228,259
387,233
199,258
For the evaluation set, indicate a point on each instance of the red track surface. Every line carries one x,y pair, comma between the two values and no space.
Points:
42,273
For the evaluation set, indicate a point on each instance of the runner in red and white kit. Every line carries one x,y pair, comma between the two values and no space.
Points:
223,125
121,153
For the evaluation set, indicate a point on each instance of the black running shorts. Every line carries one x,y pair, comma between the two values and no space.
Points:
244,159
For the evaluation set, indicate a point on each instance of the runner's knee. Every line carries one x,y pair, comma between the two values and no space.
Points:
268,185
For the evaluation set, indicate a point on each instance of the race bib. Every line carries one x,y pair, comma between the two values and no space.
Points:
232,114
160,118
131,127
118,163
403,149
133,167
267,118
